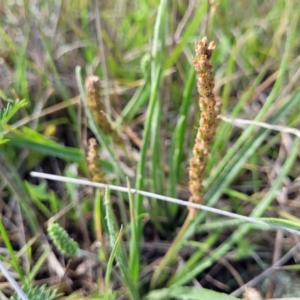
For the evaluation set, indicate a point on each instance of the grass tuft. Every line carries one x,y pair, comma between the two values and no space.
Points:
136,125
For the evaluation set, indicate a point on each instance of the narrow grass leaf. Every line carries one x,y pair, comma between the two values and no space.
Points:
224,131
35,141
39,263
13,259
178,140
111,261
191,29
120,255
139,98
282,222
134,262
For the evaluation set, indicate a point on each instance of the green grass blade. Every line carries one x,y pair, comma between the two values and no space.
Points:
120,255
139,98
38,264
224,131
155,80
111,261
35,141
13,259
191,29
178,140
282,222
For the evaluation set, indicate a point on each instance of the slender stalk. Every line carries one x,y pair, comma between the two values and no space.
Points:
207,127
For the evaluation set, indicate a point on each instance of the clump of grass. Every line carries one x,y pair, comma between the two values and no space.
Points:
244,60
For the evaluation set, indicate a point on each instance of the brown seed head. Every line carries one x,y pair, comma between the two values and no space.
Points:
208,118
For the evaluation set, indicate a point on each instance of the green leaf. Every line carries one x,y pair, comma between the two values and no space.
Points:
35,141
156,70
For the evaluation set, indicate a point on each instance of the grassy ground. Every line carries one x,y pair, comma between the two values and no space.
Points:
143,52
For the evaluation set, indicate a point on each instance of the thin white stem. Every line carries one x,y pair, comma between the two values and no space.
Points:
241,122
160,197
12,281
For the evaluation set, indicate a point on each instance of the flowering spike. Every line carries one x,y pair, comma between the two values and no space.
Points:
208,119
